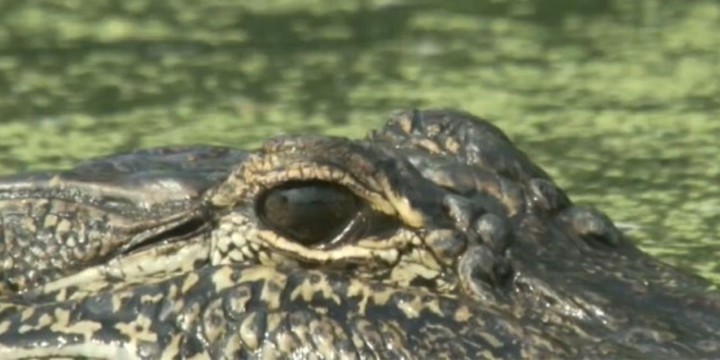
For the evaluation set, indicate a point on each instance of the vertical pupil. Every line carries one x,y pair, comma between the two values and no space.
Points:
309,213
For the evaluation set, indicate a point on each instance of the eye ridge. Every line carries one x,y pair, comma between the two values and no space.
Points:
308,212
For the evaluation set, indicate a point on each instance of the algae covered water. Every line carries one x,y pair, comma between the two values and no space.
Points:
618,100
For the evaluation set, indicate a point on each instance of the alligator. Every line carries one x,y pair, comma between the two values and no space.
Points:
433,237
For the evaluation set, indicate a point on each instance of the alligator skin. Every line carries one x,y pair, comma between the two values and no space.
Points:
433,237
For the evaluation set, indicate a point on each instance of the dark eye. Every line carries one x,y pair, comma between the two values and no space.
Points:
308,212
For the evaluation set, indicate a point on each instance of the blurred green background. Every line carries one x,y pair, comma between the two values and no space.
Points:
617,99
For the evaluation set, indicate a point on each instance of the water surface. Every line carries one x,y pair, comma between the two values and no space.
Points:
618,100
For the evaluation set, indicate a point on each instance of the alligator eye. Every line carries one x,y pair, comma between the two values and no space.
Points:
308,212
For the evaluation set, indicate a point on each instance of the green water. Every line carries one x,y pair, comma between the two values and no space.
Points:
617,99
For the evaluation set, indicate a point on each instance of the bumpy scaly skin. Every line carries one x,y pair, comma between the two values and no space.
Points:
55,224
479,255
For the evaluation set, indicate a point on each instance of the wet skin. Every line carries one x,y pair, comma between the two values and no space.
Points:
433,237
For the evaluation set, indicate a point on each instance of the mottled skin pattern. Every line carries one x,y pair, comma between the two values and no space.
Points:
434,237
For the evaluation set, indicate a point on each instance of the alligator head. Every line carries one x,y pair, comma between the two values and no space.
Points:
433,237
